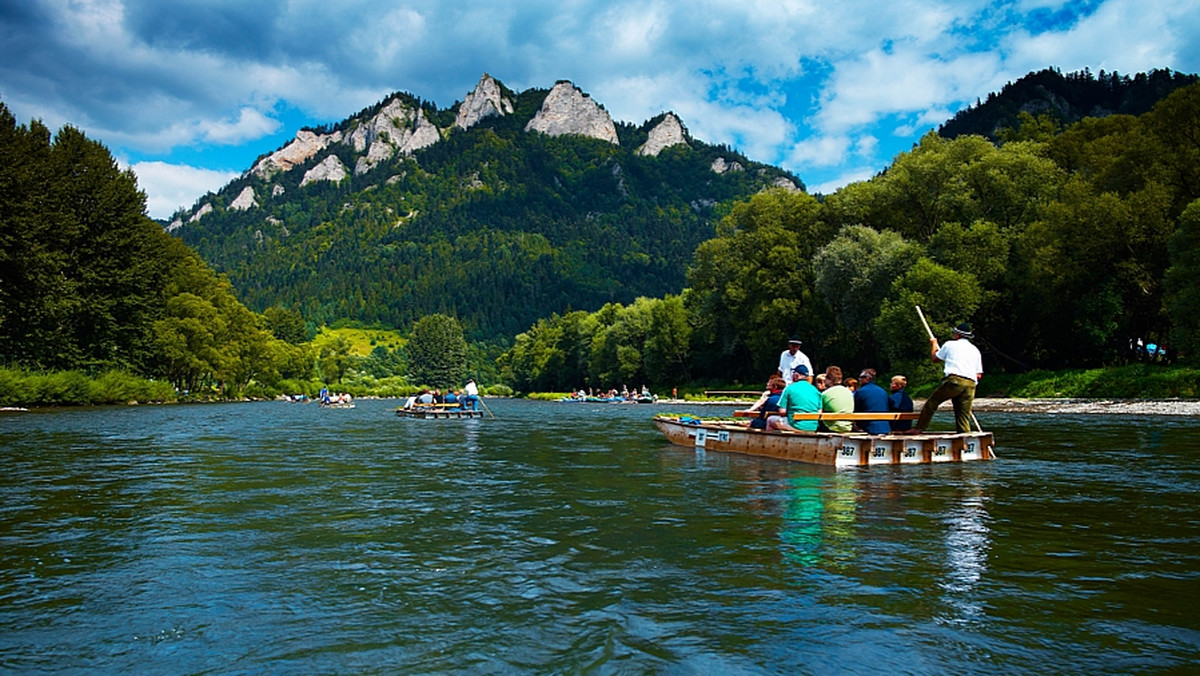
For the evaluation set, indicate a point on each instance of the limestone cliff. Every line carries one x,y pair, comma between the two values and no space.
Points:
304,147
487,100
397,129
245,200
567,110
669,132
330,169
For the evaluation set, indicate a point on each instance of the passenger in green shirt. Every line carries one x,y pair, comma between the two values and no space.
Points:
837,398
799,397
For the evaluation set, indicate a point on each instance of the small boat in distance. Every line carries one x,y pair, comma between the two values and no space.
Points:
829,448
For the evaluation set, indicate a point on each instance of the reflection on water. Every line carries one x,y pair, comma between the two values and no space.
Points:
818,519
967,541
571,538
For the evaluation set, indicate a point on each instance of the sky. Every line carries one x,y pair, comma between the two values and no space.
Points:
189,92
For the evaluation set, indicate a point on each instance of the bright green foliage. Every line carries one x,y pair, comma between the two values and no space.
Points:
89,284
752,286
1183,281
286,325
334,359
946,296
855,272
437,352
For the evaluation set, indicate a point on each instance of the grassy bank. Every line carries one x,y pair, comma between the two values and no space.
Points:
1136,381
73,388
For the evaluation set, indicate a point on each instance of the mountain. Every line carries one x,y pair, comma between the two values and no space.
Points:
500,210
1068,98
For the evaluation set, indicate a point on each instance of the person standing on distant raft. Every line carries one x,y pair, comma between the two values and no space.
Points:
792,358
470,395
963,369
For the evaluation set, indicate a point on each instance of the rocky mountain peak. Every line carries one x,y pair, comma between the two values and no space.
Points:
487,100
567,110
669,132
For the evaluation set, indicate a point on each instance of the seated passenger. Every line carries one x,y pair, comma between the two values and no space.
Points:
799,397
837,398
871,398
900,402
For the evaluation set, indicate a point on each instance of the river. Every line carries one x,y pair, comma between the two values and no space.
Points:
567,538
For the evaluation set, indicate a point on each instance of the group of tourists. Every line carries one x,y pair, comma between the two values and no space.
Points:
453,399
795,388
625,394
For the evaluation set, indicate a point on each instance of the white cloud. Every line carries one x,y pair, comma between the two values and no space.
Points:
843,180
169,187
249,126
820,151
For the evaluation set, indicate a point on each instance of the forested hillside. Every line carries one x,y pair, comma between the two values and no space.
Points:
1065,99
1064,249
492,224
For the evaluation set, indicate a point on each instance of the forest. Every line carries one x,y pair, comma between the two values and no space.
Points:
1063,246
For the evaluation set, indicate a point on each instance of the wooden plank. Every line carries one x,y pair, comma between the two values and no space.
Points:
837,416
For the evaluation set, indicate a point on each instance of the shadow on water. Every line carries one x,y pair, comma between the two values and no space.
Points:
572,537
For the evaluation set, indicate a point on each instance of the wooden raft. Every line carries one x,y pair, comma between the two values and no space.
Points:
830,448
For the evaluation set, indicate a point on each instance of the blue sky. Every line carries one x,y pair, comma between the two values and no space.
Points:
189,92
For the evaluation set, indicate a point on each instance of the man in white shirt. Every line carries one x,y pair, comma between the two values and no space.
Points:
791,358
471,396
963,369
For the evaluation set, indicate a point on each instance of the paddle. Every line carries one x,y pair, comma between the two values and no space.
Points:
481,401
931,337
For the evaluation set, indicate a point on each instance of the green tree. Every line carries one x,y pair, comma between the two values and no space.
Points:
752,286
855,273
1183,281
437,352
335,359
285,324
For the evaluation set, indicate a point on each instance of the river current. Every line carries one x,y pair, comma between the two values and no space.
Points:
568,538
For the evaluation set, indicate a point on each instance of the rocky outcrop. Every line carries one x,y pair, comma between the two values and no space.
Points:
330,169
201,212
567,110
245,200
487,100
397,129
304,147
720,166
669,132
785,183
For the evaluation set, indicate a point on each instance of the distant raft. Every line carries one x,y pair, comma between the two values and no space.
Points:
437,411
829,448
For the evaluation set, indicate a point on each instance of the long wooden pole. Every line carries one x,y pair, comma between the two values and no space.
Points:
481,401
930,332
924,323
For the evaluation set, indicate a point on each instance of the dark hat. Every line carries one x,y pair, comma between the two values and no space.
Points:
802,370
795,339
964,330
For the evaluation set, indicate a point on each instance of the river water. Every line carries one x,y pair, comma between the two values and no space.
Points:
567,538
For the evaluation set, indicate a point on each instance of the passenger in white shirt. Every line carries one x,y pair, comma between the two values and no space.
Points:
791,358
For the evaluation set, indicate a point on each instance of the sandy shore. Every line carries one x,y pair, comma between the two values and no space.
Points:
1179,407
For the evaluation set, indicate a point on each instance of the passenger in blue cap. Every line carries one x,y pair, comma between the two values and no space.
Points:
799,397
